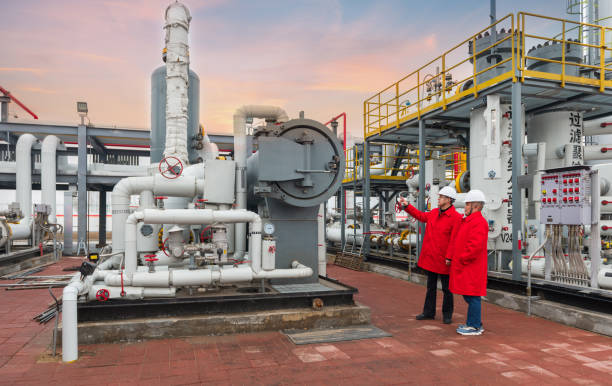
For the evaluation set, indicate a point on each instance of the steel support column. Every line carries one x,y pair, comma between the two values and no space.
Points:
82,189
68,244
517,118
367,218
102,219
421,199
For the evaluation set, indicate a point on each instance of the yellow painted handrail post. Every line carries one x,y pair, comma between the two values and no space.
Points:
602,59
513,34
419,94
474,62
563,55
379,113
365,122
523,53
397,109
444,81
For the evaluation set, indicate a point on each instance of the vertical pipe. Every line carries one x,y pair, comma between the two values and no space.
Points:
365,247
48,174
517,118
321,241
68,244
342,218
82,188
421,199
70,336
23,177
4,101
102,219
595,247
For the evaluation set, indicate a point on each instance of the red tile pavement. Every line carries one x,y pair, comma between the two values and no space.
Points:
514,349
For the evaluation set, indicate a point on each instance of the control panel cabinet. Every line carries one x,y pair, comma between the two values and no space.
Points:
566,196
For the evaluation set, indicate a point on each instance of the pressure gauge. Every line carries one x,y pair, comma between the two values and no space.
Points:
268,228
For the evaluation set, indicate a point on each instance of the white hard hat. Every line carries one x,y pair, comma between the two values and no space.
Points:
448,192
474,195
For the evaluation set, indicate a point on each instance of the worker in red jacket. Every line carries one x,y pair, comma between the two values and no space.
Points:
440,223
468,253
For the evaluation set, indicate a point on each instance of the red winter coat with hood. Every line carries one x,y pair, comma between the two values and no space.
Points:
438,230
468,252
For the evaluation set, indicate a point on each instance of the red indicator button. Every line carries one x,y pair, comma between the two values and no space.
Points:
554,190
571,190
571,198
565,181
576,199
576,180
577,189
564,199
564,190
549,200
554,199
544,200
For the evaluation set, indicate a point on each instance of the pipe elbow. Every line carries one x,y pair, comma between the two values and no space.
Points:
71,292
50,144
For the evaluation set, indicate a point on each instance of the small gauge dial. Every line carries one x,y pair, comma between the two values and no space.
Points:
268,228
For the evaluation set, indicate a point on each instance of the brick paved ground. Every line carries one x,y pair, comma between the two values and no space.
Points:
515,349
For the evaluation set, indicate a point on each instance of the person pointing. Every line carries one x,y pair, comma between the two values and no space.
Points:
440,223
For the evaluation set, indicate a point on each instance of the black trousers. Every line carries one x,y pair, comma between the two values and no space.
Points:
429,309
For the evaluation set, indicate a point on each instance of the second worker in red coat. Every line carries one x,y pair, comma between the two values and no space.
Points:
468,251
440,223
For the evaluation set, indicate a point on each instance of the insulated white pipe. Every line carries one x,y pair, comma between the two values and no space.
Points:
131,254
48,173
23,177
240,156
177,79
321,249
184,186
597,152
208,216
70,336
595,127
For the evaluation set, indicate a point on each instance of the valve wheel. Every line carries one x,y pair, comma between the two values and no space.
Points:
151,258
170,167
398,207
163,247
102,295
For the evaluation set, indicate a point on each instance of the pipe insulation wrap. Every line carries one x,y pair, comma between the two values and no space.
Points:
240,156
177,80
23,176
48,173
184,186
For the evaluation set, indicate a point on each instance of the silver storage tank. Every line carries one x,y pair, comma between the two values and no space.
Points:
158,114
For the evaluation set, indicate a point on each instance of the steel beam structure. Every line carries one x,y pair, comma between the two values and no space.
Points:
366,198
421,199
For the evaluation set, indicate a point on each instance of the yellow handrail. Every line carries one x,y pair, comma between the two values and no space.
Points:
396,103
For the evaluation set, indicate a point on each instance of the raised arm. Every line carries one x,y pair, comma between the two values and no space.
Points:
414,212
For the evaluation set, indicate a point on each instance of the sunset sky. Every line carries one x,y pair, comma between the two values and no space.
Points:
321,56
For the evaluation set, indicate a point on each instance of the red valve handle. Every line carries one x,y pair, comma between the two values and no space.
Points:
102,295
605,202
202,199
272,249
170,167
161,197
604,227
398,207
151,258
164,247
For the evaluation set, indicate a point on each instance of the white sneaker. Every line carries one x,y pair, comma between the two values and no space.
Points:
467,330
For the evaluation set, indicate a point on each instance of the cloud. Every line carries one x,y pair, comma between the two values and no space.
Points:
37,71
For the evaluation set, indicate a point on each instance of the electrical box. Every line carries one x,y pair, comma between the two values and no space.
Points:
219,181
566,196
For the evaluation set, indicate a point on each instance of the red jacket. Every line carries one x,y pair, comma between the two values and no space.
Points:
468,252
438,230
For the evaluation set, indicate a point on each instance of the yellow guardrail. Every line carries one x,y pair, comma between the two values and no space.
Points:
600,51
432,86
387,165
